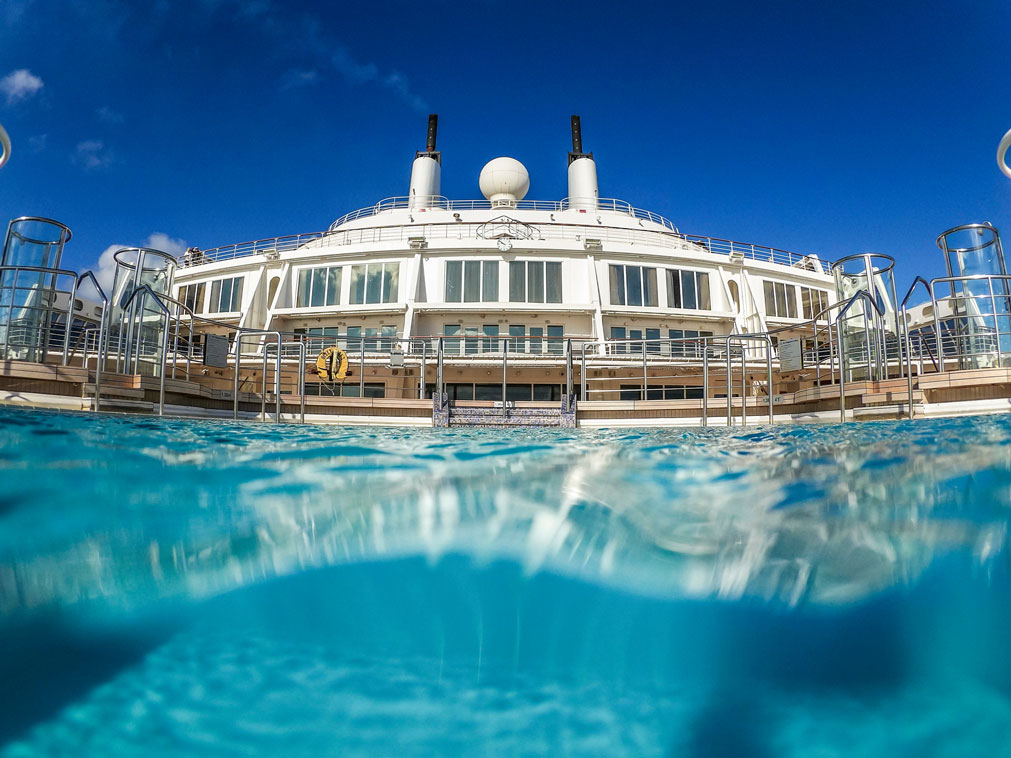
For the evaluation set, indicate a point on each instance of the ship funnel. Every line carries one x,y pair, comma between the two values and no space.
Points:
426,171
583,191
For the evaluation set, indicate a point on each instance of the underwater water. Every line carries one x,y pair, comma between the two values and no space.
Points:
173,587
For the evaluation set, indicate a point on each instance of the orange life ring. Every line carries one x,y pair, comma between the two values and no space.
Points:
332,364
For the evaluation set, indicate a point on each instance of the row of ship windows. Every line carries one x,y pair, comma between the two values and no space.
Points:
529,282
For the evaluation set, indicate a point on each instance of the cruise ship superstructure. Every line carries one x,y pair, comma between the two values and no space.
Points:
583,311
533,272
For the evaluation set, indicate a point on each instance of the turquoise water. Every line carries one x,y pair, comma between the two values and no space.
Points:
173,587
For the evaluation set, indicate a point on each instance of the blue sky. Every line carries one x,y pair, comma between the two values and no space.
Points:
832,128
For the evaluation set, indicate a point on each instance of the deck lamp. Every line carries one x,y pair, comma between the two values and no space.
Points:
1002,149
5,146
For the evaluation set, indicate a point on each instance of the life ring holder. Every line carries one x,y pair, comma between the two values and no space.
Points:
5,146
1002,149
332,365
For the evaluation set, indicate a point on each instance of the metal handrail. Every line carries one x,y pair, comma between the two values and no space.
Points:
48,308
101,331
145,289
908,345
859,295
456,229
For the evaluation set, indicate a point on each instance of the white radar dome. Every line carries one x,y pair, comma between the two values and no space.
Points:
504,180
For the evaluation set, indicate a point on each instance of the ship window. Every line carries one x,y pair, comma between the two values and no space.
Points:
226,295
535,343
318,287
688,289
555,341
374,283
471,281
780,299
192,296
451,346
618,333
813,302
535,282
517,332
633,285
491,341
692,346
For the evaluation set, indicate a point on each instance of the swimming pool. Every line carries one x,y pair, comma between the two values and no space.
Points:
172,587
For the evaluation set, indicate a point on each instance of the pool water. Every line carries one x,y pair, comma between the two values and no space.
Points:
174,587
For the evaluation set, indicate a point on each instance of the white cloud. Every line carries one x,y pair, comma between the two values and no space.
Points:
299,78
38,142
20,85
92,154
362,73
105,268
170,245
108,115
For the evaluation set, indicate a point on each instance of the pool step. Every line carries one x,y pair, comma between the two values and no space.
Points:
558,415
505,416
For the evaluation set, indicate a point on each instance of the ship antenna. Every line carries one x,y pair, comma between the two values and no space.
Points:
577,141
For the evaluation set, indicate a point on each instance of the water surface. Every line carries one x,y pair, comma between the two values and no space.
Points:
172,587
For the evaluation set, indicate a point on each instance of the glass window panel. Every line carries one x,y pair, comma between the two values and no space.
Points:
544,392
635,334
535,281
488,392
618,333
517,282
518,392
556,345
676,348
702,279
688,290
318,295
389,333
617,278
358,284
633,285
649,287
333,285
517,331
491,344
451,346
374,283
462,391
806,304
652,338
536,332
770,298
673,288
219,301
391,283
791,300
302,292
472,281
454,281
553,282
236,294
471,342
489,282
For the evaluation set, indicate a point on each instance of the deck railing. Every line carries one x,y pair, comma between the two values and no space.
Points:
550,231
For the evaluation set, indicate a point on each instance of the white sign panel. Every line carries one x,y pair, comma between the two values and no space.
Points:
791,355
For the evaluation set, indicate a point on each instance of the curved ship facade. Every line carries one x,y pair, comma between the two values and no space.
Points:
505,275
